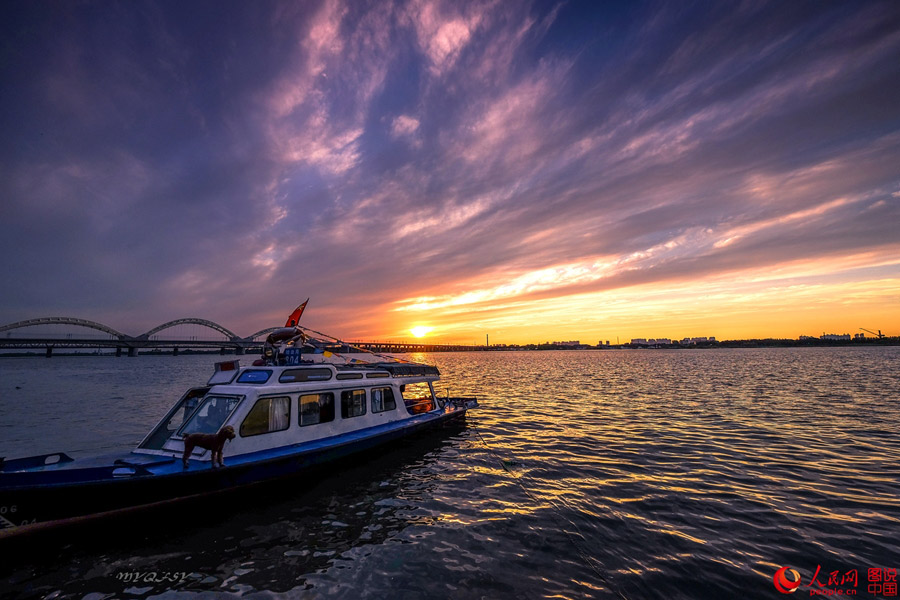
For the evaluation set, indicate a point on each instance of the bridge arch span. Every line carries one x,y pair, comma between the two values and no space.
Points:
265,331
191,321
65,321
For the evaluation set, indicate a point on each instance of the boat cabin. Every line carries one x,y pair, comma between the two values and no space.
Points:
273,407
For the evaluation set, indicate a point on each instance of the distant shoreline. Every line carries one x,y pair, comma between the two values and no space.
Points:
752,343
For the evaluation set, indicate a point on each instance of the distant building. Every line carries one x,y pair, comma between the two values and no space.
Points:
834,337
688,341
806,338
570,344
651,342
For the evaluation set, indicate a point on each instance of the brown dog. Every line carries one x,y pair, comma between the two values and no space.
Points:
210,441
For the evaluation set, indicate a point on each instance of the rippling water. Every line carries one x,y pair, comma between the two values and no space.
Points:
635,474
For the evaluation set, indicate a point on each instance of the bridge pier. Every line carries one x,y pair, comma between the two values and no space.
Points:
239,350
132,351
49,351
222,351
118,350
175,351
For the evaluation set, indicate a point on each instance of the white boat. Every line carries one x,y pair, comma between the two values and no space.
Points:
293,411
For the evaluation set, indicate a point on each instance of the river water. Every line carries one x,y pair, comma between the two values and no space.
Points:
584,474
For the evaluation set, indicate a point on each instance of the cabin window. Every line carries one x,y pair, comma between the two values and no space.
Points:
316,408
417,397
377,375
255,376
294,375
210,416
266,416
349,375
383,399
353,403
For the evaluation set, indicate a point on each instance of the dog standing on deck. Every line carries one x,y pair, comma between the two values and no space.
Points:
209,441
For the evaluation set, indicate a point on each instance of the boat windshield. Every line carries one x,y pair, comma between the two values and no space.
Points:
211,415
174,419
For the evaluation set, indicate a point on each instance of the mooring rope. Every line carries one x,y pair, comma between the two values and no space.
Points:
360,349
555,513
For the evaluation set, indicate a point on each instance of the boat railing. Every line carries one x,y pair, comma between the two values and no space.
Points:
457,401
463,401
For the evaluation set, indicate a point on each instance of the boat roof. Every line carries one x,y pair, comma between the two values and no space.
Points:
231,373
402,369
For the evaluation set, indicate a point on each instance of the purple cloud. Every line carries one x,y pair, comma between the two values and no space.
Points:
437,158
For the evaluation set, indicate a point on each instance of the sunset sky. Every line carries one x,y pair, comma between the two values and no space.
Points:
532,171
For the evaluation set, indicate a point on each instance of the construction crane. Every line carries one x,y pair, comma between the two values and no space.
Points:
879,335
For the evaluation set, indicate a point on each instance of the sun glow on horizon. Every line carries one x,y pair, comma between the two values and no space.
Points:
789,299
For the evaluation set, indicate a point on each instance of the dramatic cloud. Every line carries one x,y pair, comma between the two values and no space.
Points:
533,171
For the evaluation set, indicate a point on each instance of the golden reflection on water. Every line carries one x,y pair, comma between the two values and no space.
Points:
699,445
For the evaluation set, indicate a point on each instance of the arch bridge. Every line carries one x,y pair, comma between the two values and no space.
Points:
63,321
11,338
191,321
14,336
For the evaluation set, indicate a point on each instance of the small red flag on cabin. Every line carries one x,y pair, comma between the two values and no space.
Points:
295,316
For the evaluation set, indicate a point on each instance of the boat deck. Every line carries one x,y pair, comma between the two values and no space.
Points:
64,470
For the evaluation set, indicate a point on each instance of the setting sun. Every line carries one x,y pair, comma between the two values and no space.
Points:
420,330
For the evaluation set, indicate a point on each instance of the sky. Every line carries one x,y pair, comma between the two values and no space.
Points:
532,171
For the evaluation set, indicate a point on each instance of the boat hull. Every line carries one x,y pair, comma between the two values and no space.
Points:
30,508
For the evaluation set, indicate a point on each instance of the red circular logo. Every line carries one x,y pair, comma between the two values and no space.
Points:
785,585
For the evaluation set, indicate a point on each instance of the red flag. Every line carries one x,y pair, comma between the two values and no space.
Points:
295,316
